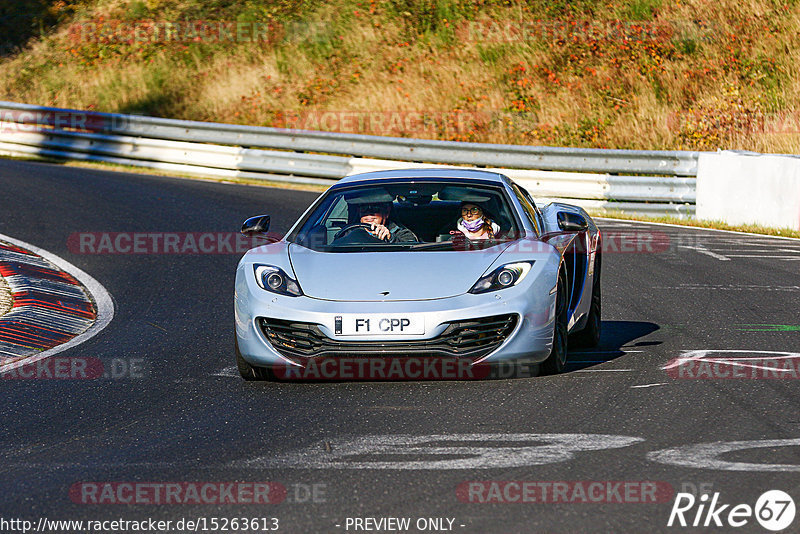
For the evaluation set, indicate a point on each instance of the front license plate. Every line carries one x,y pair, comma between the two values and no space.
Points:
371,325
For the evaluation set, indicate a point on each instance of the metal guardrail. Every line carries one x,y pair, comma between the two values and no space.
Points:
178,152
226,150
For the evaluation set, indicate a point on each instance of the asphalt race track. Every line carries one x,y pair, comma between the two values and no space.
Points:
175,410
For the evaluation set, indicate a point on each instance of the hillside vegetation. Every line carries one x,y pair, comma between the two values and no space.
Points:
647,74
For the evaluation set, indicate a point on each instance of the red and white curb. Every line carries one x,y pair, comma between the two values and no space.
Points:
55,306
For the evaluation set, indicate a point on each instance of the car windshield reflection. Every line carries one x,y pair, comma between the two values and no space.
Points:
419,216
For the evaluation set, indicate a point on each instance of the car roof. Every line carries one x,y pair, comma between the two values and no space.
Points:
437,173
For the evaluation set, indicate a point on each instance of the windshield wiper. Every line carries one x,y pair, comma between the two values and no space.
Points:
431,246
454,245
370,247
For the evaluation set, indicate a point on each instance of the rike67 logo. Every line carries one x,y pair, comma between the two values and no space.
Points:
774,510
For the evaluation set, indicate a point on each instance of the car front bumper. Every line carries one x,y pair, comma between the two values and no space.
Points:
530,341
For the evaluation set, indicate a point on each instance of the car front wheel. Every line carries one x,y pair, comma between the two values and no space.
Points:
590,335
249,372
557,361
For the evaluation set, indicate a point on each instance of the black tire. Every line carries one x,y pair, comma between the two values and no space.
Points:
590,335
249,372
557,361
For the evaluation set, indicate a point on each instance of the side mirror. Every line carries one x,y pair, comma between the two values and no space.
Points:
256,226
572,222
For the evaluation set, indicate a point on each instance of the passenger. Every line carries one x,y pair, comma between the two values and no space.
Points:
474,224
377,216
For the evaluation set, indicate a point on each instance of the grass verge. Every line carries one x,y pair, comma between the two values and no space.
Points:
631,74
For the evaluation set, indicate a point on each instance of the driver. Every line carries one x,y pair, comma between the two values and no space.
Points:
376,215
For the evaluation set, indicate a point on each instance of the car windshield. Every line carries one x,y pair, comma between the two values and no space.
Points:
408,216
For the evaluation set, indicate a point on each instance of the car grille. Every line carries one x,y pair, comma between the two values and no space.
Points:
472,339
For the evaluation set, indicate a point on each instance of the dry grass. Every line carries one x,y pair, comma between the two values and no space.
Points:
712,75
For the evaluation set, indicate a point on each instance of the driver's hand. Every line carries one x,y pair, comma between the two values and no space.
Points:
380,231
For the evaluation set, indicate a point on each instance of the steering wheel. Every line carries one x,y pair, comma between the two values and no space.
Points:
350,227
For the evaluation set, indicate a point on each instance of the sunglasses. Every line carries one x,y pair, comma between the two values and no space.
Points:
466,211
371,208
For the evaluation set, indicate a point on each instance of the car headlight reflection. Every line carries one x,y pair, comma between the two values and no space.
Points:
274,279
507,275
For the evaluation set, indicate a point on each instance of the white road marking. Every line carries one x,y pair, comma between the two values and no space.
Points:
706,455
759,251
93,465
527,450
744,243
703,250
228,371
718,287
750,358
649,385
784,257
626,351
712,231
603,370
101,297
767,243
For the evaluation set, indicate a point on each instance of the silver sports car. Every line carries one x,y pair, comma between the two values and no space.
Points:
414,274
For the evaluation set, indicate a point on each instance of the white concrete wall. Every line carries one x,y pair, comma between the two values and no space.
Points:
749,188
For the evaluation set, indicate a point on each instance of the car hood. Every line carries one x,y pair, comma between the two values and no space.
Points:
387,276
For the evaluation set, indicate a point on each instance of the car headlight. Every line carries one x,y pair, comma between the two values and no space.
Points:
274,279
507,275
